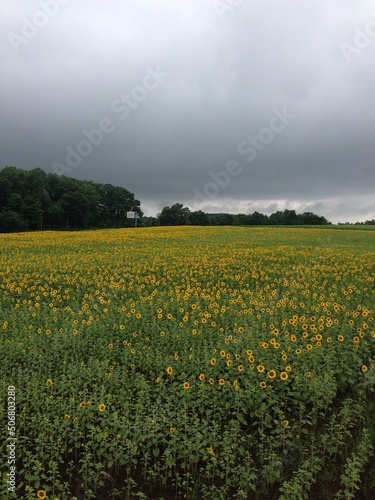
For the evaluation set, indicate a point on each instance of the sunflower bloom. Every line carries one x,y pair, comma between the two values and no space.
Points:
101,407
284,376
271,374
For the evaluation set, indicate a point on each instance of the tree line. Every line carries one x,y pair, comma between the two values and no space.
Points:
177,215
35,200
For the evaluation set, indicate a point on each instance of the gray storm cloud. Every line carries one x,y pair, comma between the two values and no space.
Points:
158,97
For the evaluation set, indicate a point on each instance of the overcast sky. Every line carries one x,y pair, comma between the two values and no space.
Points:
161,96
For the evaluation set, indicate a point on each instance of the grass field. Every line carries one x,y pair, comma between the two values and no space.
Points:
190,362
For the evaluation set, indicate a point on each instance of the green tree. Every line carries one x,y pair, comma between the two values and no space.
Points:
224,220
258,219
12,222
115,202
199,218
176,215
32,211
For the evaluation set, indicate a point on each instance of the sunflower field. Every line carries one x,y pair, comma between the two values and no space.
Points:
188,363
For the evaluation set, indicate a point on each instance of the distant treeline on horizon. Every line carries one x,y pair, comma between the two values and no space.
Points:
34,200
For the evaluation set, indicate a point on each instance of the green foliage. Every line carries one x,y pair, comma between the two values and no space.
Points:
178,215
36,200
355,464
190,362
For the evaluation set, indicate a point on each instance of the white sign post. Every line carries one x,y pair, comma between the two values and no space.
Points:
132,215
